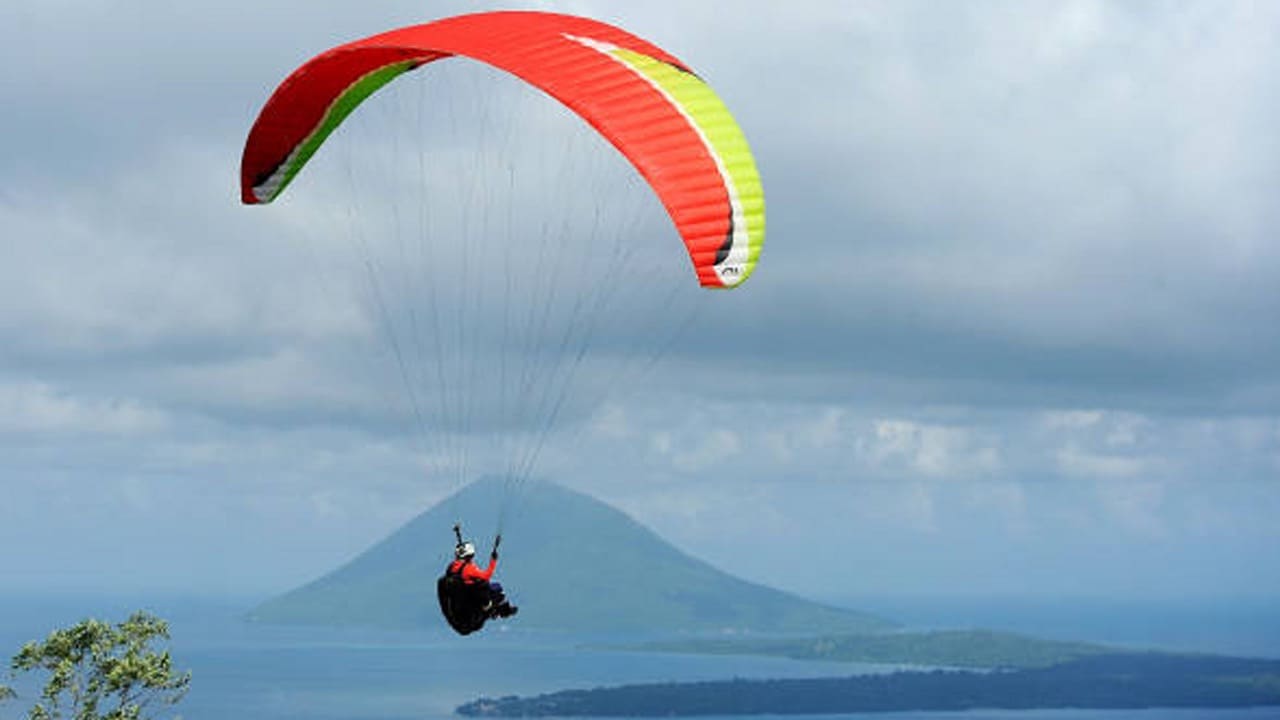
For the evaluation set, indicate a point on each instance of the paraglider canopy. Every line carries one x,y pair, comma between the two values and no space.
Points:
664,120
669,123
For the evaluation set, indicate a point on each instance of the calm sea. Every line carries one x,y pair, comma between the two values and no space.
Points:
253,672
1229,626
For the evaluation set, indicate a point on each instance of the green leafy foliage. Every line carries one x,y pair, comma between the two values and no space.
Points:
99,671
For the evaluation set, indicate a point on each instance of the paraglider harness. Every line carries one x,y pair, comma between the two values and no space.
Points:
465,606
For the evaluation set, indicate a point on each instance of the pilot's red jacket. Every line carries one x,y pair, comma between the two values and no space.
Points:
472,572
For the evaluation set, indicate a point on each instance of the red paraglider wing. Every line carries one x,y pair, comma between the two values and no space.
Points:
662,117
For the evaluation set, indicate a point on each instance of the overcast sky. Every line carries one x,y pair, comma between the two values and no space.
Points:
1013,330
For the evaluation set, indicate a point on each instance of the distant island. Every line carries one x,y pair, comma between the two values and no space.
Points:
626,583
573,564
971,649
1118,681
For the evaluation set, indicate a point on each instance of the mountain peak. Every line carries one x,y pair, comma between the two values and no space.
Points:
571,562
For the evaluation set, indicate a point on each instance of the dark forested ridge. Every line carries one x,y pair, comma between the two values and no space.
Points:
1102,681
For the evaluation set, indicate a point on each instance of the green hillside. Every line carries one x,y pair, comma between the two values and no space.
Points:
569,561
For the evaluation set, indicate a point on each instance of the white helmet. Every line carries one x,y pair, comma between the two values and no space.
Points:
465,550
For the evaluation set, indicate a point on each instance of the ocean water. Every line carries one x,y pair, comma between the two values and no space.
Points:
269,673
1230,626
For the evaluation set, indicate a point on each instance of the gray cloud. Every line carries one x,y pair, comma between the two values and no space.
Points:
1016,300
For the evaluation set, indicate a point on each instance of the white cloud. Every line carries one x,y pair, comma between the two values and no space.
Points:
1071,419
707,451
1070,204
1138,506
118,267
910,505
1106,444
930,450
1126,430
822,430
288,380
1075,462
35,407
827,431
662,442
611,422
1007,499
